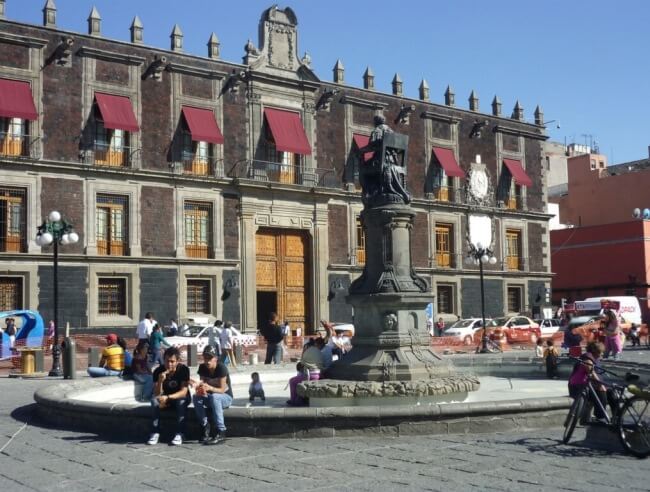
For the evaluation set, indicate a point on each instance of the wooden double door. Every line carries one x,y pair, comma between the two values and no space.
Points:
283,276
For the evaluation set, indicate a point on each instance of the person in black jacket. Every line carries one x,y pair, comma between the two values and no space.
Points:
273,335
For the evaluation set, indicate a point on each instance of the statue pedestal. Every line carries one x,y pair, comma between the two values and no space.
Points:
391,341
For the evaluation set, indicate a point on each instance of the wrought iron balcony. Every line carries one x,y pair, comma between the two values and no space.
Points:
277,172
12,145
447,194
104,155
201,166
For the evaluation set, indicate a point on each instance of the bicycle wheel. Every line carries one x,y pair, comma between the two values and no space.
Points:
634,426
575,412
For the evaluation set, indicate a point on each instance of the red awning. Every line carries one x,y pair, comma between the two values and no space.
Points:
287,130
16,100
202,125
362,141
517,172
117,112
447,160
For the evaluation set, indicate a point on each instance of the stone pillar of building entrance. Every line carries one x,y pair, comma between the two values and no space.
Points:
248,294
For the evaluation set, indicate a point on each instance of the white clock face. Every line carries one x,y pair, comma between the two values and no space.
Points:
478,183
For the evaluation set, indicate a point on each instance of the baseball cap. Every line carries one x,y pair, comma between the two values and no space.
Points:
208,351
111,338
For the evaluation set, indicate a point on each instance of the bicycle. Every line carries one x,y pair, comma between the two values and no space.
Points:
630,417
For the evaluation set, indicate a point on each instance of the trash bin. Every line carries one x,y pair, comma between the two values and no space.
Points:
27,360
69,359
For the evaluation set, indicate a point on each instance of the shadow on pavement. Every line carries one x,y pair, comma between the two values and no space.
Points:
556,447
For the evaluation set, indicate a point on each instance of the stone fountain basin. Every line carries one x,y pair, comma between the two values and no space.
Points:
513,395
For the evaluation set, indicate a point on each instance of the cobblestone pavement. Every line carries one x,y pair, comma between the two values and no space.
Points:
33,457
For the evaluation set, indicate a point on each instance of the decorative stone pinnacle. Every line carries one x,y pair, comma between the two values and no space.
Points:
176,38
49,14
306,59
424,90
539,115
213,46
398,85
339,72
369,79
518,112
94,23
473,101
496,106
137,31
450,97
2,9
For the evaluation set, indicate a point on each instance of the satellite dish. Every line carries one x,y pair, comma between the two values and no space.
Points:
636,213
646,214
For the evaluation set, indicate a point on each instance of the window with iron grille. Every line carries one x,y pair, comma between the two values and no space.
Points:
11,293
198,229
198,296
112,229
513,249
444,245
445,297
111,296
111,145
361,243
13,220
514,299
13,136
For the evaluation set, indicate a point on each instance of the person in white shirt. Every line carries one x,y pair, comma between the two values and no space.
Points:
227,342
145,327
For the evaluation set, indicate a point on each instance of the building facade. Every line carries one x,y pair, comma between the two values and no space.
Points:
205,187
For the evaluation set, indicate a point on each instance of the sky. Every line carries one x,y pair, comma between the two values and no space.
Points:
584,62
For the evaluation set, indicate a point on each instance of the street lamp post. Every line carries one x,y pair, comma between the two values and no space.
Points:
479,254
56,231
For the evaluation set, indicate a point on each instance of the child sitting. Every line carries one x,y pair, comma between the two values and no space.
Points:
550,357
539,348
255,389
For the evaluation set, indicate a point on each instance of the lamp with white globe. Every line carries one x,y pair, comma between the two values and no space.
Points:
55,231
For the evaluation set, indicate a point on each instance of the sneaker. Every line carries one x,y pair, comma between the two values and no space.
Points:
177,441
219,438
205,434
153,439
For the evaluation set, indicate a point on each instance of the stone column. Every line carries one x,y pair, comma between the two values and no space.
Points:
248,281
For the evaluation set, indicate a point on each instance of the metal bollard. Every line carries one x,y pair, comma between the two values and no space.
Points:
239,353
69,359
94,356
192,356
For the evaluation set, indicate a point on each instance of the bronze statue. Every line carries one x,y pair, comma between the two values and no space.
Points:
383,177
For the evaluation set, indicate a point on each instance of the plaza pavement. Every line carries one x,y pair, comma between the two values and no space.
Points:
33,457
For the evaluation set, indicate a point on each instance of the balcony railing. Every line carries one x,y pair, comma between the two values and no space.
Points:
446,260
278,172
14,145
201,166
104,155
447,194
514,202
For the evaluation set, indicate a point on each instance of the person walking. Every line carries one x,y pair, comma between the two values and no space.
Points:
612,329
156,342
213,393
272,333
10,330
145,327
171,391
227,342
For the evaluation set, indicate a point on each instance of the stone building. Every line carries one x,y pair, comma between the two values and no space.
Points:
205,187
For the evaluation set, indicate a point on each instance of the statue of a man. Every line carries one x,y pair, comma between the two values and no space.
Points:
382,177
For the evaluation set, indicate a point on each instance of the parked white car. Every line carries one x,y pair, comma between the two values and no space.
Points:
464,329
198,335
548,326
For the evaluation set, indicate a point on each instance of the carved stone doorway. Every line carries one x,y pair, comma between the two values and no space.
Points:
283,267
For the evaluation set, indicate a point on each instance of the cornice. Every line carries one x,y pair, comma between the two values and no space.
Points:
430,115
110,56
196,71
365,103
22,40
519,132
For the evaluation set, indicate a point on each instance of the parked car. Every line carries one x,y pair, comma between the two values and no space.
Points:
465,329
548,327
198,335
515,329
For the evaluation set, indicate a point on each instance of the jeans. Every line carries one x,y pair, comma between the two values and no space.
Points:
155,357
181,408
146,380
100,372
274,353
216,403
